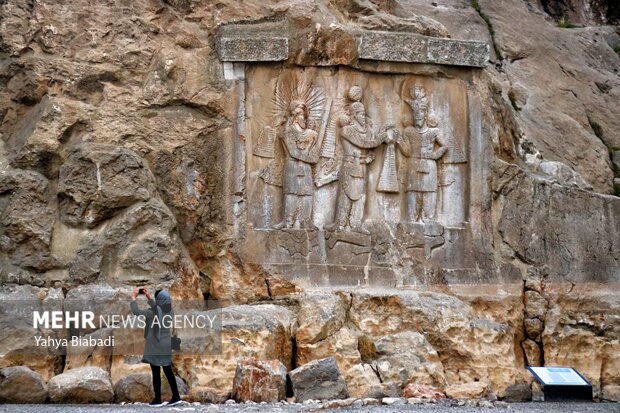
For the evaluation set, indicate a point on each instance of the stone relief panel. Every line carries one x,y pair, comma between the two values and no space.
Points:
349,172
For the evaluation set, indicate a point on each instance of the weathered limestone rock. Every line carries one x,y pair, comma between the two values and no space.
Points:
535,305
461,340
81,385
259,381
318,380
159,89
407,357
533,328
139,388
581,331
422,391
363,382
520,392
142,244
320,316
534,61
232,281
21,385
96,356
471,390
533,355
262,332
546,225
611,393
38,136
96,181
18,344
27,222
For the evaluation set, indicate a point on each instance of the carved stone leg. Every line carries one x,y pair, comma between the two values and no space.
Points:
357,213
430,205
305,211
343,209
290,212
413,207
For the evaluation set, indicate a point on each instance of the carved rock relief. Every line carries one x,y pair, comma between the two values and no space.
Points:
336,154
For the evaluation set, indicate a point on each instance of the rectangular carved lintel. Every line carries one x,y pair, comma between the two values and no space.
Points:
415,48
252,49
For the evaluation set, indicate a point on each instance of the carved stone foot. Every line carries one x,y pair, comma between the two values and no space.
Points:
361,230
281,225
333,227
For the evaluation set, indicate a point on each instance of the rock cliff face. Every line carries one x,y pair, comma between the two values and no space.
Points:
130,155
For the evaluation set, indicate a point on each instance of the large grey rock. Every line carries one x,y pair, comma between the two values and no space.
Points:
139,388
520,392
21,385
318,380
81,385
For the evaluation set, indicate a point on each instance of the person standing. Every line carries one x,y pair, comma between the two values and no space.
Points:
358,137
427,148
298,138
158,347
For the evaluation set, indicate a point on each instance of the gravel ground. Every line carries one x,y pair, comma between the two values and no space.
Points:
430,408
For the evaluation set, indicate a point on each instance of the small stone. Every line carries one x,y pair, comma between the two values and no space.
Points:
230,401
335,404
520,392
389,401
485,403
358,403
415,400
533,328
423,391
369,401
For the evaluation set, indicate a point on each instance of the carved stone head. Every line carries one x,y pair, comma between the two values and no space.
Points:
432,121
298,113
359,113
419,105
355,93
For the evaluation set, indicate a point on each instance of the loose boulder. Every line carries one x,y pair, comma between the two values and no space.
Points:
422,391
21,385
81,385
139,388
471,390
259,381
318,380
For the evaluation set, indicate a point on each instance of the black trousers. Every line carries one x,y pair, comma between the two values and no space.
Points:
157,381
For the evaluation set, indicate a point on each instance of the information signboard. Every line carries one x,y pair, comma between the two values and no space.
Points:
562,383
